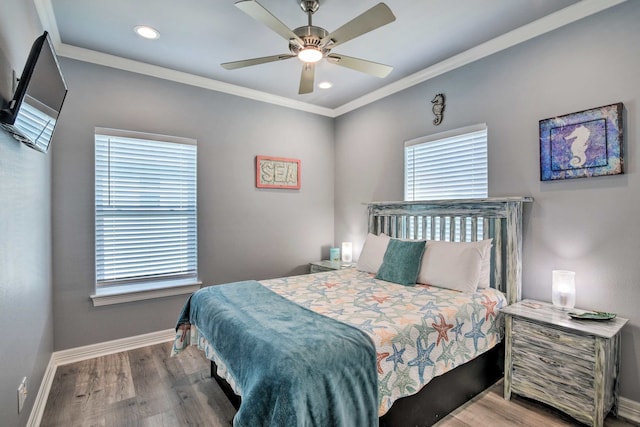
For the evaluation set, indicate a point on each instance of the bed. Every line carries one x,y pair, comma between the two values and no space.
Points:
373,350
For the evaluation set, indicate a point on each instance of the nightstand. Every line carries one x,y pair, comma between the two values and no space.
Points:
326,265
569,364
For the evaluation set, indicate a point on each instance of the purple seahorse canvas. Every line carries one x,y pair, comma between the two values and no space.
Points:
587,143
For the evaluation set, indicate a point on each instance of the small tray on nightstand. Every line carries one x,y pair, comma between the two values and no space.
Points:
591,315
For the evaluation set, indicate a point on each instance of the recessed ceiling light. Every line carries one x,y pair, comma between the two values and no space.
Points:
147,32
325,85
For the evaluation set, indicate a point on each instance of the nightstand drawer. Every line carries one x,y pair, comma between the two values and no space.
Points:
544,338
574,396
561,370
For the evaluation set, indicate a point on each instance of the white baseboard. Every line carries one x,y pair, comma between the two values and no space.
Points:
78,354
43,394
72,355
629,410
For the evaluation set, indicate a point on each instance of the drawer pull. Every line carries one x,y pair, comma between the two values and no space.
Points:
550,362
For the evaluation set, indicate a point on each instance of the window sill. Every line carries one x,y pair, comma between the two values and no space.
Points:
139,292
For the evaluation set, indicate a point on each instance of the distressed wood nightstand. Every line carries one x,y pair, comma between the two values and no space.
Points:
326,265
569,364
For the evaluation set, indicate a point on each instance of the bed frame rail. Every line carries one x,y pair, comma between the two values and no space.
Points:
462,221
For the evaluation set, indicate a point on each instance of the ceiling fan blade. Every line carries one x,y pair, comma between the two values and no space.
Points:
373,18
259,13
369,67
255,61
307,77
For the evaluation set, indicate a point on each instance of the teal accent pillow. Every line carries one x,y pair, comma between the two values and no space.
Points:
401,261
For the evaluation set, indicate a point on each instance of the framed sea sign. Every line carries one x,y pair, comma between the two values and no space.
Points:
583,144
277,172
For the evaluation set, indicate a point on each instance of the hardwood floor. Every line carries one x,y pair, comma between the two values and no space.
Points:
490,409
145,387
142,387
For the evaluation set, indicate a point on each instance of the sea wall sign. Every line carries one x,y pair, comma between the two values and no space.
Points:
277,172
583,144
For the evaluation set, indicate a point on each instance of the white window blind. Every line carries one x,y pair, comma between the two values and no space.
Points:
146,207
449,165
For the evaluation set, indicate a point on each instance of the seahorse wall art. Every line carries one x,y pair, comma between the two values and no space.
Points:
583,144
580,137
438,108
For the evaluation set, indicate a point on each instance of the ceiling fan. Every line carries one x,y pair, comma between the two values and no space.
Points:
311,44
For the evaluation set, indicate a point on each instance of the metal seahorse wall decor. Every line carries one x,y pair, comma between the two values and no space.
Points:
438,108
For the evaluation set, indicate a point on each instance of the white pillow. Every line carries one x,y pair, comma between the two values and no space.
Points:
460,266
373,253
485,269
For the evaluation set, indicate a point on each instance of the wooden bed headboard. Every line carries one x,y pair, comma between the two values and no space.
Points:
462,220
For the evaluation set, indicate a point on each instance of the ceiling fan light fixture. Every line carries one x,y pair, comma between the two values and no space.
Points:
146,32
311,43
310,55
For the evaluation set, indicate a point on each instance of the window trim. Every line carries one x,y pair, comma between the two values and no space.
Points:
139,292
123,291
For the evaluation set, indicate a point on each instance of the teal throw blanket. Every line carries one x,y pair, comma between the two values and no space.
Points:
294,367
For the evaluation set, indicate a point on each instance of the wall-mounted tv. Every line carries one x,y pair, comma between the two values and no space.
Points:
32,114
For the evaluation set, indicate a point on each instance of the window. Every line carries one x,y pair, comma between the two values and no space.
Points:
448,165
145,212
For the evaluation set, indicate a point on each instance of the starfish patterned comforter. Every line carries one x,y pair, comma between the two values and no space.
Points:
419,332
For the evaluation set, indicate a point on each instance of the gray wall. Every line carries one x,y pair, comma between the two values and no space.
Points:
585,225
25,235
243,232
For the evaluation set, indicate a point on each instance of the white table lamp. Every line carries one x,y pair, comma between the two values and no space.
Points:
347,252
563,289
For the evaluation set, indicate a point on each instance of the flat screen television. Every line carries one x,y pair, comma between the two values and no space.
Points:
31,115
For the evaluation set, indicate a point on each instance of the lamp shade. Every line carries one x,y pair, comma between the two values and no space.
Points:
347,252
310,54
563,289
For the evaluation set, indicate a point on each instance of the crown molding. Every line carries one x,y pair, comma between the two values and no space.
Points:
99,58
568,15
47,17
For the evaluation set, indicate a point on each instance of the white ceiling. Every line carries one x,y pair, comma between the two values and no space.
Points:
429,37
